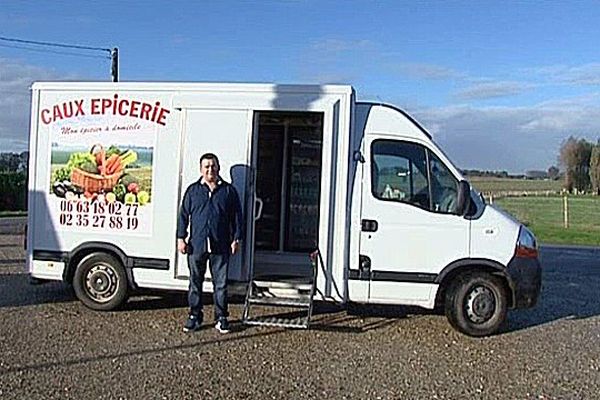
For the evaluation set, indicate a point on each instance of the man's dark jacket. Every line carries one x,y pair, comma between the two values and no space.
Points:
217,216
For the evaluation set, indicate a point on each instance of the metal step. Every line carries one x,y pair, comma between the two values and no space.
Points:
268,290
280,293
300,301
296,285
297,323
280,289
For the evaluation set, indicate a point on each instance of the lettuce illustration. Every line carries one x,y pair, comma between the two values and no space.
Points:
77,160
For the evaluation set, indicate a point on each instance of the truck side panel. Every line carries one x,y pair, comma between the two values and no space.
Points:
74,117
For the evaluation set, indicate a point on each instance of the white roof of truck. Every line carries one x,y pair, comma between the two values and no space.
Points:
382,118
194,86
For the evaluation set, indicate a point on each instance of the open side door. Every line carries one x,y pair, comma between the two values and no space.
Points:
226,133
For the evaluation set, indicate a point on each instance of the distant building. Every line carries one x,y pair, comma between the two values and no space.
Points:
536,174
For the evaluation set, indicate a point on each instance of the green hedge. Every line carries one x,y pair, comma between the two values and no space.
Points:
13,191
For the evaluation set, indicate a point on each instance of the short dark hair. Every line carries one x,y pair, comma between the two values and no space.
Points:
210,156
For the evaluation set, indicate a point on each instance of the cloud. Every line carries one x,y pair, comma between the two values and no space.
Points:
487,90
179,39
332,45
513,138
15,80
334,60
508,138
425,71
588,74
584,75
17,19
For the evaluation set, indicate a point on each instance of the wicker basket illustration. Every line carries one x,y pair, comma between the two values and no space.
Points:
94,183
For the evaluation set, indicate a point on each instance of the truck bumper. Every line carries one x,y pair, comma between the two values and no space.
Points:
526,276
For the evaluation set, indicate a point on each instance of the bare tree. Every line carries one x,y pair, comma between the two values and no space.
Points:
575,157
595,168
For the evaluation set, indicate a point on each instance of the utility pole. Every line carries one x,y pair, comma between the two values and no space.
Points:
27,45
114,69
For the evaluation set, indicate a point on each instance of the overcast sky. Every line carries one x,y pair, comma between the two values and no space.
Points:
499,84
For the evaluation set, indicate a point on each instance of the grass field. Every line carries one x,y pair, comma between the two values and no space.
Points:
544,216
13,214
496,185
144,156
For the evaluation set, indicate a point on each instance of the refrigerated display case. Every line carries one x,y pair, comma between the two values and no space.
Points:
289,181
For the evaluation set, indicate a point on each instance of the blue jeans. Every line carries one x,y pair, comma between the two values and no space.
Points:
219,264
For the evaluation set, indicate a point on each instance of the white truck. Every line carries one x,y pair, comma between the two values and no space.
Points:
393,219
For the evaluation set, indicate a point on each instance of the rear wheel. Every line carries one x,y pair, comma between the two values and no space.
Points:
100,282
476,304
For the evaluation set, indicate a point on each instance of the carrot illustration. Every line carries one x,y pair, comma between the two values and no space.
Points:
110,164
116,166
101,160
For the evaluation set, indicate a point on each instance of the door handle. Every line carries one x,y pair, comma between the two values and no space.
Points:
260,203
369,225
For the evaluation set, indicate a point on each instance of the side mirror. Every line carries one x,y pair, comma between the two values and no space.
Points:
464,198
358,157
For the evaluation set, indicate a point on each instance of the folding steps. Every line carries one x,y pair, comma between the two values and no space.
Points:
293,296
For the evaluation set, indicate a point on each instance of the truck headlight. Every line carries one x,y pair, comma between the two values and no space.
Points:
526,244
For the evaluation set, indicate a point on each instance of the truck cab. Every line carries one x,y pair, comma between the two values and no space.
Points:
422,236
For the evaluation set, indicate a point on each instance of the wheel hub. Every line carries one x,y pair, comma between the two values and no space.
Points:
101,283
480,305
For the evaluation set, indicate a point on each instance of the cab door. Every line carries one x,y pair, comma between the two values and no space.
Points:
409,230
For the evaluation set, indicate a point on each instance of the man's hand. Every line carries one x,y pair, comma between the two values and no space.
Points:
235,245
181,246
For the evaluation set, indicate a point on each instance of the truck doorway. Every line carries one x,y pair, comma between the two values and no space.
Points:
288,149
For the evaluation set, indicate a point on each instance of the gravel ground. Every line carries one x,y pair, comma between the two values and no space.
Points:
51,346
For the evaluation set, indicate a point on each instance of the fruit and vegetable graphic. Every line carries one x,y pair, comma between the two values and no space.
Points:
104,175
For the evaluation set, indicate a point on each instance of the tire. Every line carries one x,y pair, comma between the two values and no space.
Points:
100,282
476,304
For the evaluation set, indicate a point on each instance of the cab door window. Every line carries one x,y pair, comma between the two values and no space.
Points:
399,172
444,186
410,173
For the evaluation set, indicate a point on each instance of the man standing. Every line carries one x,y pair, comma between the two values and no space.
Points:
211,209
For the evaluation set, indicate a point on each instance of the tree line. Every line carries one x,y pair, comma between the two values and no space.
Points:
581,162
14,162
552,173
13,181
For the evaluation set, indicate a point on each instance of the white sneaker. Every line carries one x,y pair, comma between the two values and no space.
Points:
223,326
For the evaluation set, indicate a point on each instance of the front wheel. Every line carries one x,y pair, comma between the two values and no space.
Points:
100,282
476,304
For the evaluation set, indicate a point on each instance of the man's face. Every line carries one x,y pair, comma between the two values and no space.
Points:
209,169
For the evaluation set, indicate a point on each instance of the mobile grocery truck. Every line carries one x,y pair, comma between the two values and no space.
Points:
393,220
